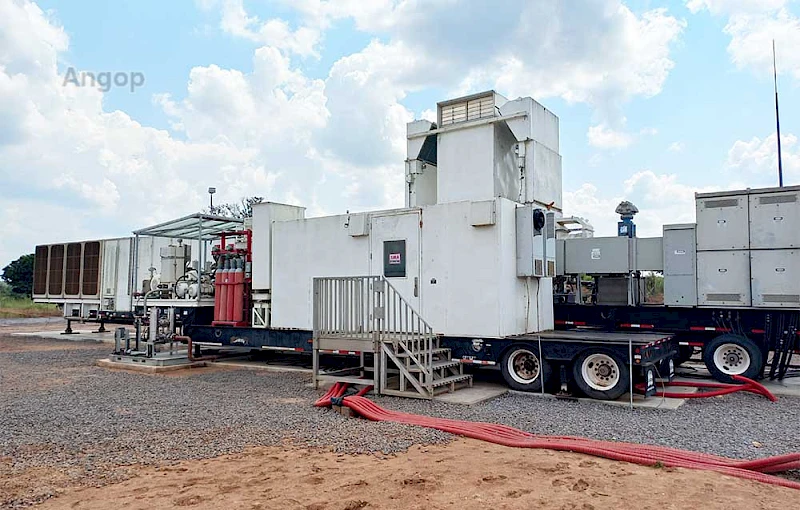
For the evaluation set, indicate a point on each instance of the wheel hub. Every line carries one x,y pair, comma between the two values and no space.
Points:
732,359
600,372
524,366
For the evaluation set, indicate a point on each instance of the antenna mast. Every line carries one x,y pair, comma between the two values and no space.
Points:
777,115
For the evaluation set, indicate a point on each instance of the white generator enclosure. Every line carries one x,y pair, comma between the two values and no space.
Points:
457,253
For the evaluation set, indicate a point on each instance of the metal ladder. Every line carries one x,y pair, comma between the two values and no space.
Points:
367,315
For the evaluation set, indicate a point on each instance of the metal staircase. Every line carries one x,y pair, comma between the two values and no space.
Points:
367,315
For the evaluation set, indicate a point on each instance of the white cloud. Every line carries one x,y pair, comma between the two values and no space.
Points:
603,137
756,160
331,144
752,26
661,199
272,32
676,147
592,51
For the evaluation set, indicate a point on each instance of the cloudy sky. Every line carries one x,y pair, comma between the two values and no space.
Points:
306,101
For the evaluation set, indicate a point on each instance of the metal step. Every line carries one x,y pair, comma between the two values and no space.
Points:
345,379
451,379
437,351
437,365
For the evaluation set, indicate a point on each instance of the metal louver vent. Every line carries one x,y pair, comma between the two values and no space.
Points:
538,266
56,270
72,276
723,297
777,199
781,298
40,270
468,109
718,204
91,268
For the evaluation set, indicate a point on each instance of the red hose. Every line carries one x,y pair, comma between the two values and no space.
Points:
646,455
720,389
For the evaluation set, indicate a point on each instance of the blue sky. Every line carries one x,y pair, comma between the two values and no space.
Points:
657,100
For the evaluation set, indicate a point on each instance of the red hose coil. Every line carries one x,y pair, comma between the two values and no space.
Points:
646,455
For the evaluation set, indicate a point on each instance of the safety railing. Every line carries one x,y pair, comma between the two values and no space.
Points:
368,308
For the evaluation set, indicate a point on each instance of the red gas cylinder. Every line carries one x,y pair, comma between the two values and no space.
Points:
230,290
238,292
217,291
223,294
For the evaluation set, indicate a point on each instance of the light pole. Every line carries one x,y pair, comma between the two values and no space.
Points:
211,192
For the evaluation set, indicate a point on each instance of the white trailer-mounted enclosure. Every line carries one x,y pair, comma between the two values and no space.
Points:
452,253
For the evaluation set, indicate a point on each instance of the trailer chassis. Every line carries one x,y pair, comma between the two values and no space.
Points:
644,357
775,332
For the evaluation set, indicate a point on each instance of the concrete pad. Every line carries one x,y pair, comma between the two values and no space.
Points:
639,401
789,387
147,369
260,365
480,392
82,336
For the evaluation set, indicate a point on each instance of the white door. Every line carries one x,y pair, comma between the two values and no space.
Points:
395,253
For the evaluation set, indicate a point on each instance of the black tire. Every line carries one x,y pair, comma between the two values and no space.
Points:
523,370
607,375
733,354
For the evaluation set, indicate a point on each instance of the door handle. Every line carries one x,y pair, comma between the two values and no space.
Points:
416,286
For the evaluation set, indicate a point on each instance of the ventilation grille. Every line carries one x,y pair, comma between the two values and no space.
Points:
777,199
91,268
551,268
719,204
473,109
723,297
781,298
538,267
40,270
72,278
550,225
56,271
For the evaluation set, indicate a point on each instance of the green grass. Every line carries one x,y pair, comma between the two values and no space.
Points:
20,307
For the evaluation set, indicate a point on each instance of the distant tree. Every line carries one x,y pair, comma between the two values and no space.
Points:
19,275
242,209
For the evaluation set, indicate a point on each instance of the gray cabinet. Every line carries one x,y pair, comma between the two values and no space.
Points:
775,220
722,221
776,278
723,278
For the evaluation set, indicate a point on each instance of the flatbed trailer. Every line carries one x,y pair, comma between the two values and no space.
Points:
752,342
596,363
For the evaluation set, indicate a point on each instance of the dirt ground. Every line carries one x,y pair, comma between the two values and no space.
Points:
464,474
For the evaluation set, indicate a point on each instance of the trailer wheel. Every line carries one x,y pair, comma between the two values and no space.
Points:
601,374
523,370
729,355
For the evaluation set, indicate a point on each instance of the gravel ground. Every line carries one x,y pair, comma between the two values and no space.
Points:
59,411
